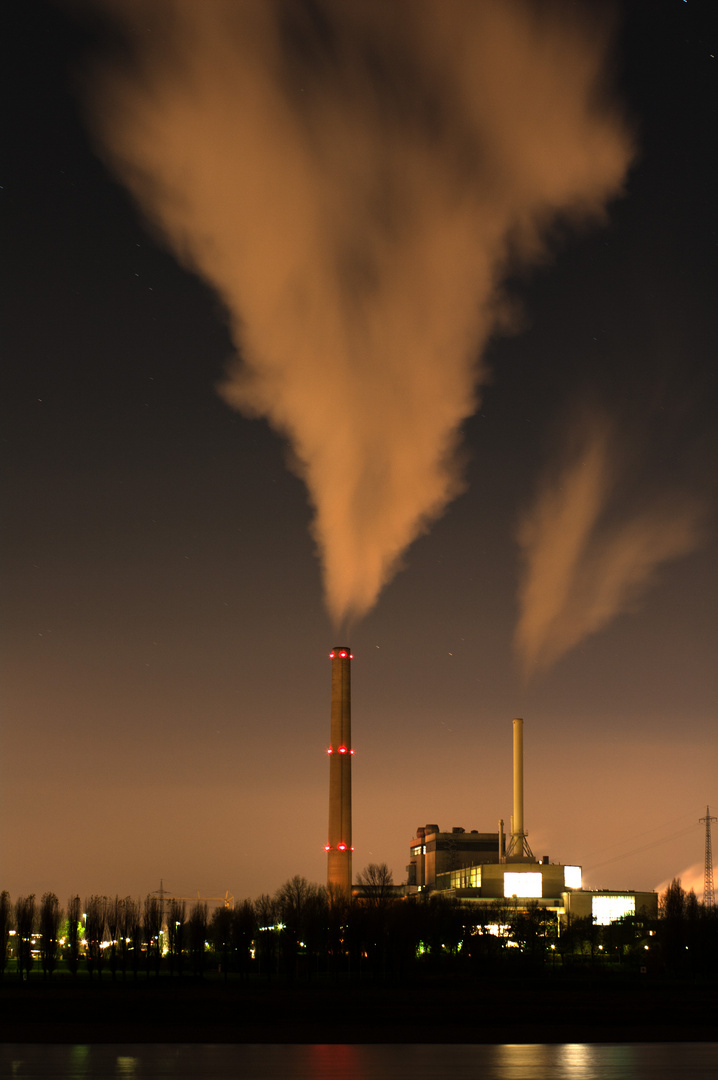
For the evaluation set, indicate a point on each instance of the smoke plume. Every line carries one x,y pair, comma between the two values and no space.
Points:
355,178
593,541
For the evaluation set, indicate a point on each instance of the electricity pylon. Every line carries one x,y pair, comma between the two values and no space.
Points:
708,893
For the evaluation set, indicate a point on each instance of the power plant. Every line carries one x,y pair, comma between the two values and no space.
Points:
478,867
481,869
339,843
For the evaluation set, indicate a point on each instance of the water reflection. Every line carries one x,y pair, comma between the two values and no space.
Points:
126,1066
570,1061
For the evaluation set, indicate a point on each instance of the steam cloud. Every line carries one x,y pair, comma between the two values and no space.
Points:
355,178
583,564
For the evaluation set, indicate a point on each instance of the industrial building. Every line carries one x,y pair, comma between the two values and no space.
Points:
484,868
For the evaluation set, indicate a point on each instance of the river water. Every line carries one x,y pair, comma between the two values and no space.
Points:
567,1061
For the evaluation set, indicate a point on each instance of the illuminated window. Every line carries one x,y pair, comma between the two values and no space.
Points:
572,877
608,909
525,885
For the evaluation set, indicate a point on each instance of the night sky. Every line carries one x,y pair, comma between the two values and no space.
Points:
165,628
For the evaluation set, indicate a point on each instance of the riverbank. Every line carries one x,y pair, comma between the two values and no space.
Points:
615,1007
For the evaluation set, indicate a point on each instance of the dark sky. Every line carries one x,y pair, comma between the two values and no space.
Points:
165,642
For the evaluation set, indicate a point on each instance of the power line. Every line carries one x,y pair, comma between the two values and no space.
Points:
636,836
642,847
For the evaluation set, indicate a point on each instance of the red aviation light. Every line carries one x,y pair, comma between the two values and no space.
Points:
341,847
342,654
342,749
327,847
329,750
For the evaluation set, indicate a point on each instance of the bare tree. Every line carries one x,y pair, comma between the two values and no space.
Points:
25,924
73,933
124,932
133,930
339,910
266,915
50,916
152,924
376,884
114,923
176,922
197,935
244,928
221,936
5,920
95,922
295,900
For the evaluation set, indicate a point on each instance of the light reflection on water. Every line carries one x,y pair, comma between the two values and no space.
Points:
164,1061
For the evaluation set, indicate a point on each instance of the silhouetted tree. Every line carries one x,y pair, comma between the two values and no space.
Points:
672,924
50,916
244,928
293,900
266,915
74,912
95,922
376,884
528,930
124,939
114,924
341,935
221,937
133,931
151,926
176,922
5,920
25,924
197,936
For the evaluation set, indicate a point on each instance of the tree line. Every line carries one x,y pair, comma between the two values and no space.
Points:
305,930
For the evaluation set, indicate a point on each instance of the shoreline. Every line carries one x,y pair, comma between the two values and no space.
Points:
461,1011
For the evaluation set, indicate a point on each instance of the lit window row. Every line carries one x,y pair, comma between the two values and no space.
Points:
526,886
608,909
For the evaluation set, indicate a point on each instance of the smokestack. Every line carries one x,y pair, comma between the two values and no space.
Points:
339,845
519,846
518,818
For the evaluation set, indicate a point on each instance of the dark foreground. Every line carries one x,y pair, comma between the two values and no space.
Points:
545,1009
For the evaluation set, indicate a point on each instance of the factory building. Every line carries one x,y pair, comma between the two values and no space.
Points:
468,866
486,868
478,867
434,853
